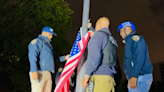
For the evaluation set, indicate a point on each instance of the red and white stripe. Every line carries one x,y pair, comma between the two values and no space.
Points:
66,87
70,66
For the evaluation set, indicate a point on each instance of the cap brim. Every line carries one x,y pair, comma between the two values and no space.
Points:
54,34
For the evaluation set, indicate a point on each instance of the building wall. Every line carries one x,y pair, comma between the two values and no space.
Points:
162,71
158,71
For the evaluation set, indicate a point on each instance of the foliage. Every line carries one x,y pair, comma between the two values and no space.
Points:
21,21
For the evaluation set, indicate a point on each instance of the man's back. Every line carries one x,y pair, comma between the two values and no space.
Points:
101,61
105,50
147,66
100,70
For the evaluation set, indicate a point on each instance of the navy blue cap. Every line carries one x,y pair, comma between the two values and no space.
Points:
49,30
126,24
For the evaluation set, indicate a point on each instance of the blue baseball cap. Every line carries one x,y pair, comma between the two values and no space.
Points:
126,24
49,30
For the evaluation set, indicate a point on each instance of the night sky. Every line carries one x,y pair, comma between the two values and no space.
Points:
137,11
14,76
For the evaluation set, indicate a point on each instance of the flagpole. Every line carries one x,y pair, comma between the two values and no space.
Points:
82,64
86,6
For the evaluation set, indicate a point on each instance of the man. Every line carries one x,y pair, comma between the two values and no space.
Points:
101,59
42,61
58,75
137,65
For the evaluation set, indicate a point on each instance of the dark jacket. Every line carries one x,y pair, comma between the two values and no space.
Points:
136,57
95,54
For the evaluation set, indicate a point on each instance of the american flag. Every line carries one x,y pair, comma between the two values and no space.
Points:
75,55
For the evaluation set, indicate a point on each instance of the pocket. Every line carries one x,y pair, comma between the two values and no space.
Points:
149,79
108,86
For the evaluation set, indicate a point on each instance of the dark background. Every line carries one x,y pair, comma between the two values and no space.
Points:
147,15
22,20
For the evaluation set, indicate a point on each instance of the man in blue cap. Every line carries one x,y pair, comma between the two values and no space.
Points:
41,60
137,65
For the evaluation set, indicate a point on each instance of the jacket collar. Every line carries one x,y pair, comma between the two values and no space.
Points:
106,30
130,35
126,38
44,38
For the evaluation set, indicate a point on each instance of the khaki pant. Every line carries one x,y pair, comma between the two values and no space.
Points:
103,83
44,84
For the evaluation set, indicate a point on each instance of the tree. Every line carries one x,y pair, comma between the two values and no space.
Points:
21,21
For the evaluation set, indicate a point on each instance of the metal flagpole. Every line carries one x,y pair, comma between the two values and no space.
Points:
80,75
86,5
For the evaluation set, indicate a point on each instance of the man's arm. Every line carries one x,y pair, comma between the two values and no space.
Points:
60,58
138,56
34,50
94,53
91,29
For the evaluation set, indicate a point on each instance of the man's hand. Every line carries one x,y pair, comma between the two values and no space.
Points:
89,25
91,33
85,82
133,82
35,75
67,57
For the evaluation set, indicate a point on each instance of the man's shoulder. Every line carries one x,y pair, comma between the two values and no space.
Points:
96,39
35,41
95,35
101,34
137,38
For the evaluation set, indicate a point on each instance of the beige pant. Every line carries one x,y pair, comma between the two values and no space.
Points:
103,83
44,84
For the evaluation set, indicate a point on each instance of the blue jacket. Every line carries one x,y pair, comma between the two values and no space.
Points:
97,42
41,56
136,57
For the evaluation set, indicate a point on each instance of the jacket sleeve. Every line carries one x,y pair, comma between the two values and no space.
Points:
139,51
92,29
33,54
94,53
60,58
